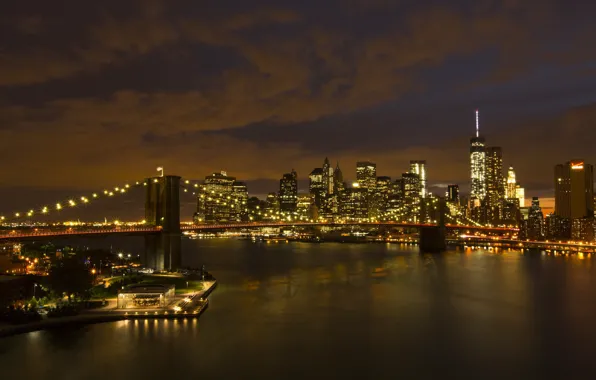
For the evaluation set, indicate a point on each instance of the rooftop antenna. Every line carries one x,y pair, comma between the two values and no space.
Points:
477,130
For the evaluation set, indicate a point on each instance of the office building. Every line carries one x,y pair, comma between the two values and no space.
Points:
395,202
495,191
511,184
328,172
288,192
453,194
317,186
240,201
574,198
215,202
477,167
366,175
535,221
419,167
338,179
520,194
378,199
353,205
411,196
272,211
574,190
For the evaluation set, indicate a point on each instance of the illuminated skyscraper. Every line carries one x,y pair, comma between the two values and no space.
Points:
411,194
338,179
535,222
574,190
419,167
520,194
216,199
366,175
288,192
495,191
354,203
477,166
328,176
317,186
510,185
453,194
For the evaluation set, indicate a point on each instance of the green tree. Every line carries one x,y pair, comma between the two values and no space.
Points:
33,303
70,276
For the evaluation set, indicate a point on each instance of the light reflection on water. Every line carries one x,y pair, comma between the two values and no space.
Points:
345,311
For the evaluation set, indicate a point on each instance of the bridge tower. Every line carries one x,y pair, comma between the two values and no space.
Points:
162,209
432,238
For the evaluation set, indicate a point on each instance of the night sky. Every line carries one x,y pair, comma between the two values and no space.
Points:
93,94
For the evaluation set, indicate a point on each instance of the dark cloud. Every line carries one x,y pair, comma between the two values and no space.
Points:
104,92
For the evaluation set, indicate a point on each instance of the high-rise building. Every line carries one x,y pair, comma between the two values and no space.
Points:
366,175
354,203
419,167
453,194
510,184
288,192
495,191
395,202
477,167
338,178
379,198
328,172
411,196
535,222
317,186
305,209
239,201
272,207
520,194
215,200
574,190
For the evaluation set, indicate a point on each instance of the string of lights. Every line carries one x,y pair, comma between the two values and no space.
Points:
71,202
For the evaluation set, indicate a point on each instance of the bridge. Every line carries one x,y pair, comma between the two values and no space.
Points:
162,229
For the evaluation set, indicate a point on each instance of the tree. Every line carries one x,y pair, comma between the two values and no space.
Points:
70,276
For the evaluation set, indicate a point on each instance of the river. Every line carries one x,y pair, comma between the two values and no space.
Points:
339,311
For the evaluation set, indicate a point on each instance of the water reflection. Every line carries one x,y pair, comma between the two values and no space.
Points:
345,311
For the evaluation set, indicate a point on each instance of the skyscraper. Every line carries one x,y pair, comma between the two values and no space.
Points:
317,186
366,174
453,194
477,166
411,194
511,183
419,167
495,191
328,176
520,194
574,190
535,221
288,192
338,179
215,201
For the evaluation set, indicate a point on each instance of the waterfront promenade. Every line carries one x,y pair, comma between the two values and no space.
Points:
190,305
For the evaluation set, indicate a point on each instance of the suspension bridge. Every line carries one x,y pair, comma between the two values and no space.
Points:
162,229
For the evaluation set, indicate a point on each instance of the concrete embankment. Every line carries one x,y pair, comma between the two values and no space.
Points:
88,318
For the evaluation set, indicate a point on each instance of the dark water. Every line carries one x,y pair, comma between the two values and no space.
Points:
339,311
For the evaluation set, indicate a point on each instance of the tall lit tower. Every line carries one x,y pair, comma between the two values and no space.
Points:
511,183
419,167
477,165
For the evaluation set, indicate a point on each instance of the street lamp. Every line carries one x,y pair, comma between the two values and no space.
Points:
34,286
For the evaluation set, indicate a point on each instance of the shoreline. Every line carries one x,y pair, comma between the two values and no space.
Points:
98,317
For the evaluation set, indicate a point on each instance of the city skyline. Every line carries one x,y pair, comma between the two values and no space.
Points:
162,84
